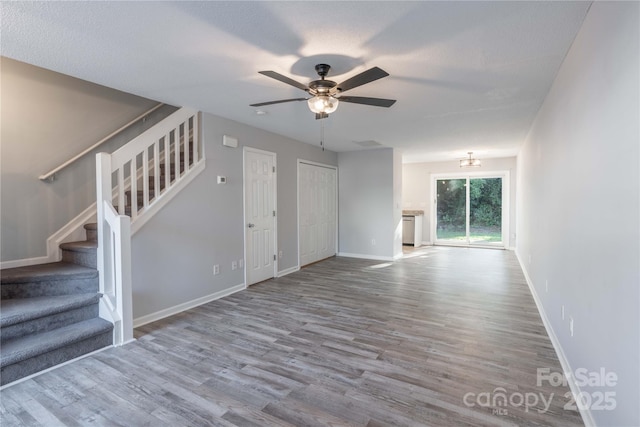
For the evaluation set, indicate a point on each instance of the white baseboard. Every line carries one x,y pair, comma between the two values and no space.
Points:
364,256
143,320
288,271
24,262
71,231
427,243
587,417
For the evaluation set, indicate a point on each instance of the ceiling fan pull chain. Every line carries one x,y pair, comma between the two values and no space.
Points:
322,135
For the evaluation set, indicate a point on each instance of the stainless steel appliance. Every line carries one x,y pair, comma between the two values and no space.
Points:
408,230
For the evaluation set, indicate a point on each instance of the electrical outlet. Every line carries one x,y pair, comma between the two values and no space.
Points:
279,254
216,270
373,242
234,265
571,325
240,263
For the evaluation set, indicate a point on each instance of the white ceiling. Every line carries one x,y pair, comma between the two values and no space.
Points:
468,76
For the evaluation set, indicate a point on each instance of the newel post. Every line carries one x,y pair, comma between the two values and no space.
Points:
103,193
125,290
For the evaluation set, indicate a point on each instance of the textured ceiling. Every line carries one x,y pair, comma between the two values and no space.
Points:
468,76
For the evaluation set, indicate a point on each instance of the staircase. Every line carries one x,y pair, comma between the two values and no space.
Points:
49,312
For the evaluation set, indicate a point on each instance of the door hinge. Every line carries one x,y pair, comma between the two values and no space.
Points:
274,257
274,169
274,213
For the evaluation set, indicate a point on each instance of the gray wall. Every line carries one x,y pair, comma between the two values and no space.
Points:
174,253
367,204
47,118
397,203
416,188
578,204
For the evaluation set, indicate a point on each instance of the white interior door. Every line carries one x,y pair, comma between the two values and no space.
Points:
317,191
259,214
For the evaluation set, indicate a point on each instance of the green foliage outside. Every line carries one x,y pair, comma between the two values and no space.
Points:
485,217
485,197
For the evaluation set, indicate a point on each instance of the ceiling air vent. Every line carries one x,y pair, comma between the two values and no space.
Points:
368,143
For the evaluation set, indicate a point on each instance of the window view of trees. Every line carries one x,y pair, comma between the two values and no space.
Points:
452,211
485,209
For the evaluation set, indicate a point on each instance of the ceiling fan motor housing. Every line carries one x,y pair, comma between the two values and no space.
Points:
321,87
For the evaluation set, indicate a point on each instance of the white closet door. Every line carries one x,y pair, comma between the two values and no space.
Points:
317,213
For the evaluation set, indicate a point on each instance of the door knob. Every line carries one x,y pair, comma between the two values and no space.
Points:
251,225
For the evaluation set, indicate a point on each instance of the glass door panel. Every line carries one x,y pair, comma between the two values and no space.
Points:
485,211
469,211
451,221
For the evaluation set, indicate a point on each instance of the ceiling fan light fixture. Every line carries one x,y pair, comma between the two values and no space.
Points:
326,104
470,162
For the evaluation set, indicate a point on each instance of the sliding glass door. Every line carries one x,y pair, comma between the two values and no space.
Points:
469,210
485,211
451,210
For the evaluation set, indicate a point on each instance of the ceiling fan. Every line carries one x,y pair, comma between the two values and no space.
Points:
326,94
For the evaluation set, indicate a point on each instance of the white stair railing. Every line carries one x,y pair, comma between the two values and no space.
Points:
133,183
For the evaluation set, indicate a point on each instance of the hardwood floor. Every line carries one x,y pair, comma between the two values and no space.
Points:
433,339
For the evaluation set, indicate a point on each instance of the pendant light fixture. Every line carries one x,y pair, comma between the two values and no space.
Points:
470,162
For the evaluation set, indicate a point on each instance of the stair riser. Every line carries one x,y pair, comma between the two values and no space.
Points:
49,323
84,258
50,288
92,235
30,366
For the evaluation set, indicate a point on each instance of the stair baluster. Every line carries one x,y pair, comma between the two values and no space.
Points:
175,138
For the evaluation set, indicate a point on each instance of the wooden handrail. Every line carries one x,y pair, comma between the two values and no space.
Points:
51,175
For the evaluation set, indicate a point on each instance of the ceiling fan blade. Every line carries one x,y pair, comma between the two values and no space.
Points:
321,116
376,102
284,79
260,104
365,77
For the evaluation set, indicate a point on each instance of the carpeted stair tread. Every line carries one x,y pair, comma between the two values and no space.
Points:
19,310
23,348
46,272
83,246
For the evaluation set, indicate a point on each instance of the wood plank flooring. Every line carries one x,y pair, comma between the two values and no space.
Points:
433,339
